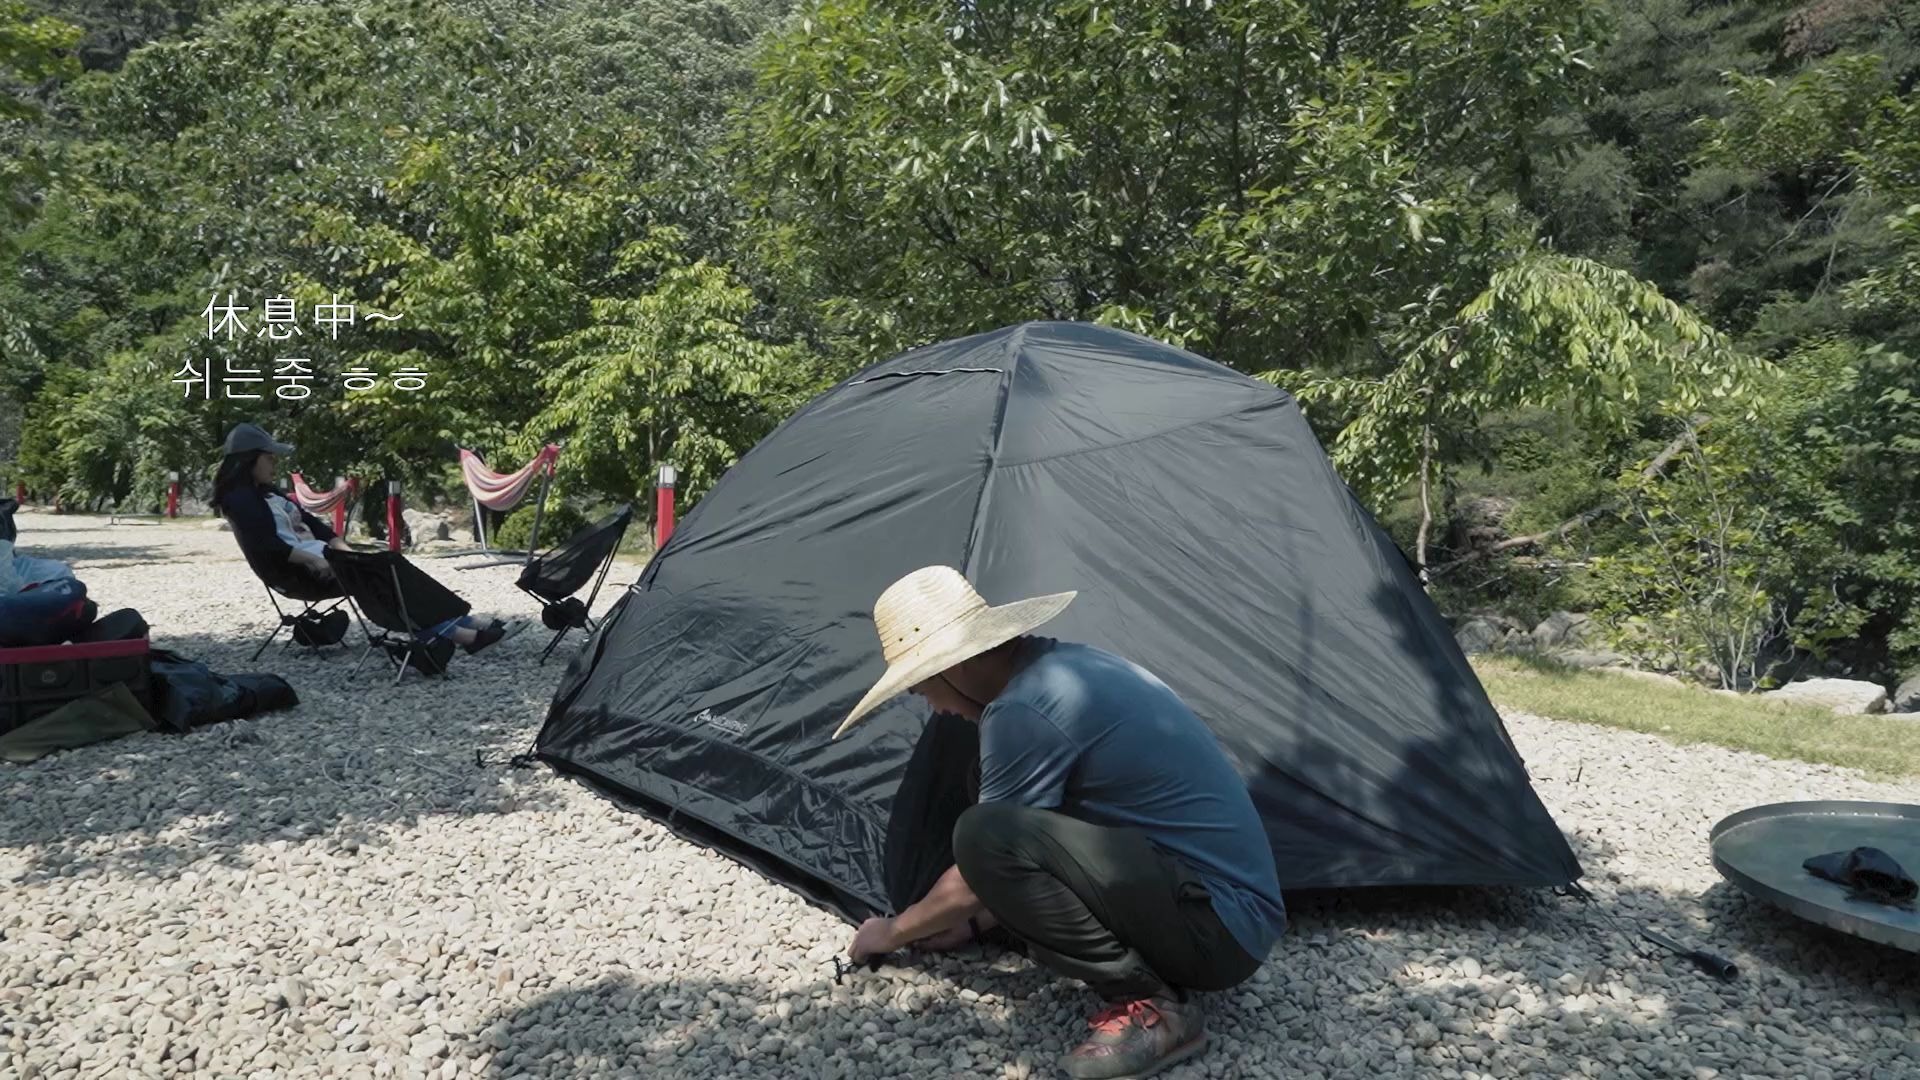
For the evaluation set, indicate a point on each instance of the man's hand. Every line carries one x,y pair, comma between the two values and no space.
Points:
950,938
874,938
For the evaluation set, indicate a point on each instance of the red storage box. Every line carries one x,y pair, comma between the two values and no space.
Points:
36,680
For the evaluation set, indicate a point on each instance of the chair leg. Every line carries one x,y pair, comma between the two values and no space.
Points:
269,641
372,643
281,614
554,644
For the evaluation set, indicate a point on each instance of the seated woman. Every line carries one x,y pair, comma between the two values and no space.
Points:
272,528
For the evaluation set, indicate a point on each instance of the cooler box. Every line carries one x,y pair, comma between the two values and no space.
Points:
36,680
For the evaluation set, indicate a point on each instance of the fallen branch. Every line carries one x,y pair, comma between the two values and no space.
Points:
1654,468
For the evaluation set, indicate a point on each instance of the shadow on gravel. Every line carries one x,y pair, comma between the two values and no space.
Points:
354,758
1778,940
1370,983
1366,1018
83,556
623,1026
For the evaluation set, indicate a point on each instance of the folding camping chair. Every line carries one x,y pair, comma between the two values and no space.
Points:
7,506
317,597
553,578
384,589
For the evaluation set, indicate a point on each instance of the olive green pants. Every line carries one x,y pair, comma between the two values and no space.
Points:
1106,906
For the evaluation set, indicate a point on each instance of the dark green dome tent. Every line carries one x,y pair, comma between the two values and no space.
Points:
1209,538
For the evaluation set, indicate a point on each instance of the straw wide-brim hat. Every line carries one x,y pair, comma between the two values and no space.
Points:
933,619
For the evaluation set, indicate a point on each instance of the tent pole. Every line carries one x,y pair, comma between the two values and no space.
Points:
479,523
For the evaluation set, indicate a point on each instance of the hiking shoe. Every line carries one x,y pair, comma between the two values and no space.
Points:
1137,1038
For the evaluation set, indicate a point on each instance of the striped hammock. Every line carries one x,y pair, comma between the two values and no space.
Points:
321,502
503,491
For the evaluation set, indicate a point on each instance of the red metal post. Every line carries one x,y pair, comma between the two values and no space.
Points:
663,508
173,494
393,515
20,493
340,511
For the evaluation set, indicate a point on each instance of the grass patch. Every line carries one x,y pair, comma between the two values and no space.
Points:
1883,747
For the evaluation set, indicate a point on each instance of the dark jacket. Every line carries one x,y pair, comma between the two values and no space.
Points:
252,523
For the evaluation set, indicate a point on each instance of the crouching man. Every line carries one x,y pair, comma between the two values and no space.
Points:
1112,836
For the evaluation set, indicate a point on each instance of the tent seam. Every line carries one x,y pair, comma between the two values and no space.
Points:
1014,342
914,374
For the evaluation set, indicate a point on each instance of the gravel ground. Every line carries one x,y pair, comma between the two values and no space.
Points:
339,890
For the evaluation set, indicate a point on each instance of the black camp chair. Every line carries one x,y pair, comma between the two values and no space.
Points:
386,590
553,578
316,596
7,507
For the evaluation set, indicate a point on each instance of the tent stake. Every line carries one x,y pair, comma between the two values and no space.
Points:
1717,966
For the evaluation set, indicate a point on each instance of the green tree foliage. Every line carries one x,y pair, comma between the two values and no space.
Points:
321,151
1499,248
1323,195
1755,160
1762,253
1799,528
111,29
1847,124
1838,455
664,373
1548,330
34,49
1269,181
1693,594
557,522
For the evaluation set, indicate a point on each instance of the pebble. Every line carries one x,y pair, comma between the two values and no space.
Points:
338,890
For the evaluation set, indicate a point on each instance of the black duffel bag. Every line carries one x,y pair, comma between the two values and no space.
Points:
317,629
126,624
187,694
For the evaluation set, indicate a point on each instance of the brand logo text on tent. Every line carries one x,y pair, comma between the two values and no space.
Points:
721,721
